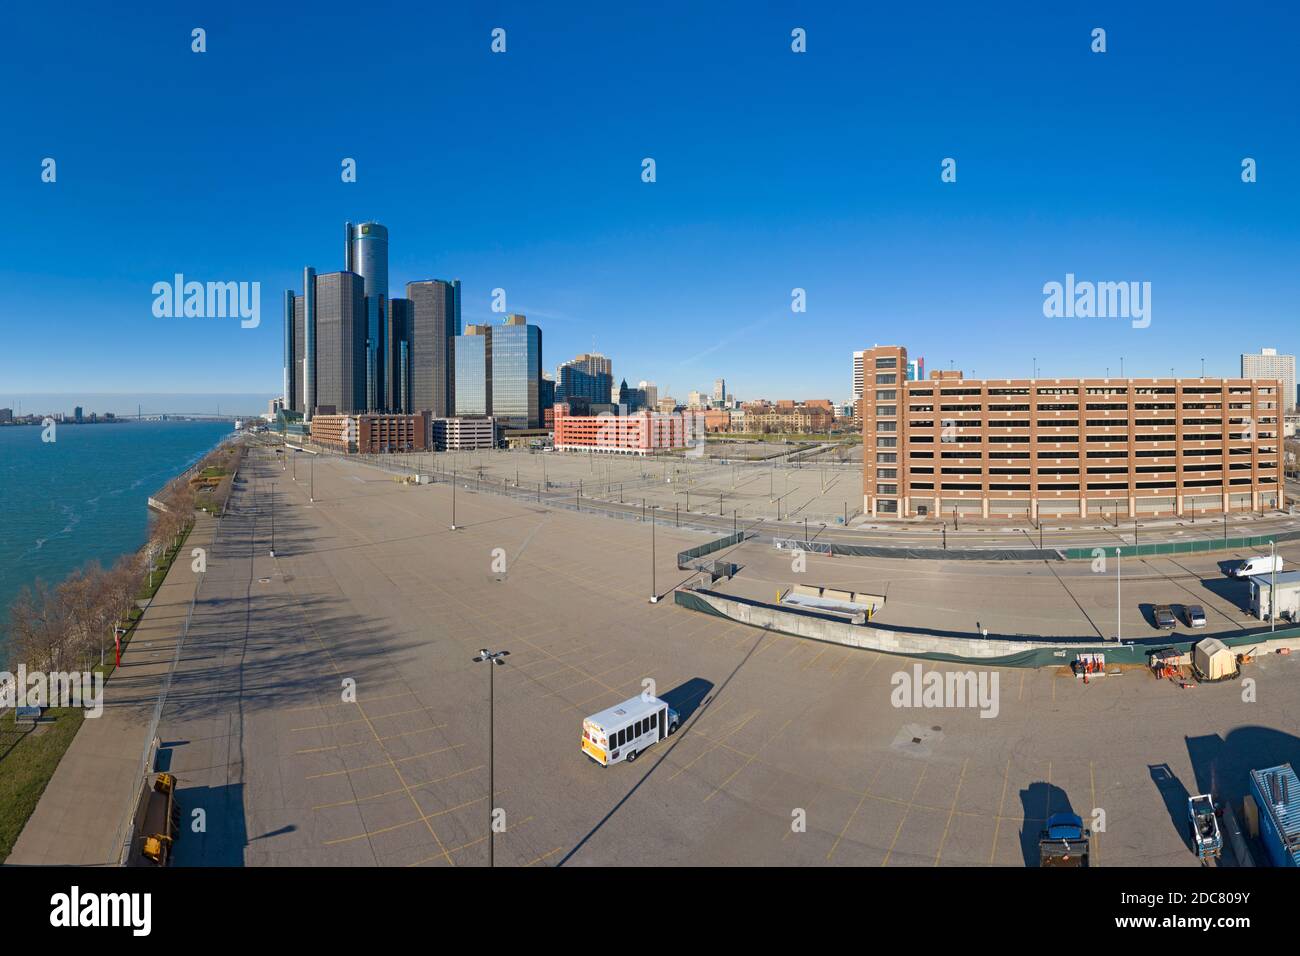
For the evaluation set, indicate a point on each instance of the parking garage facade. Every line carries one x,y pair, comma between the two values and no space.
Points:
1077,448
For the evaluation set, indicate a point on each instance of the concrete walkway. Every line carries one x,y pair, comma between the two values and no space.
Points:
77,819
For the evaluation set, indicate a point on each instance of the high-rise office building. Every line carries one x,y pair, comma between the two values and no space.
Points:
397,365
366,254
588,377
292,394
857,374
340,340
434,325
719,391
325,344
1267,364
547,394
517,373
473,362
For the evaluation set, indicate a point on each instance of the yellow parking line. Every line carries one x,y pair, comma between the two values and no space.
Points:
749,761
389,793
359,720
385,763
465,846
955,797
1006,775
362,743
544,856
897,832
348,703
710,750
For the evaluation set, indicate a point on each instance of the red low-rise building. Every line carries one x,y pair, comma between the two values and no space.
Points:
640,433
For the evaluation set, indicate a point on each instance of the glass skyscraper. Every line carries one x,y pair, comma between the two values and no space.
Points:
473,360
366,254
517,373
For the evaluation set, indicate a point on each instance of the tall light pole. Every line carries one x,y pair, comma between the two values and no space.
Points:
491,658
1119,603
1272,586
273,519
654,587
453,499
311,492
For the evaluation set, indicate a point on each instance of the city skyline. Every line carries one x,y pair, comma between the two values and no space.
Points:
845,201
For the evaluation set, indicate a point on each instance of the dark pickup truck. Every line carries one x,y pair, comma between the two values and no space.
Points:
1064,842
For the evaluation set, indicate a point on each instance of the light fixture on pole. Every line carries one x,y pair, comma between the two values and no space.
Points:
491,658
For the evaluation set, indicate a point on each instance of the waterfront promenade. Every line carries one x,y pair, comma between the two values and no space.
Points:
78,817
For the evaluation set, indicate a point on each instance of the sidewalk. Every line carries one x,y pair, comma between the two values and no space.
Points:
77,819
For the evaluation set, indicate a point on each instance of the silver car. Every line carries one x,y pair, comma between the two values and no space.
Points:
1195,615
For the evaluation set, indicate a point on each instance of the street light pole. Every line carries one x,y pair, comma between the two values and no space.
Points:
491,658
1272,586
273,519
1118,598
453,499
654,586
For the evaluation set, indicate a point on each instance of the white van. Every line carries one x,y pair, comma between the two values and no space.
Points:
1264,564
623,731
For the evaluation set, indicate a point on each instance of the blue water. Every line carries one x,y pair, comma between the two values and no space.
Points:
83,496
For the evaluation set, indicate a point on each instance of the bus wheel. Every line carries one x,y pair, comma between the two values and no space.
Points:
631,756
672,729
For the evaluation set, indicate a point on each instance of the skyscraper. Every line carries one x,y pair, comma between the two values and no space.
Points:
434,325
588,377
473,361
397,365
1268,364
366,254
517,373
340,342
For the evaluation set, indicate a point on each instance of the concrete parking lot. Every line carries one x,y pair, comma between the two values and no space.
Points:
789,496
792,752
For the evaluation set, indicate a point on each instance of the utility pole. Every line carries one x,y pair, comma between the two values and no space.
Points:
273,519
491,658
453,500
311,493
654,587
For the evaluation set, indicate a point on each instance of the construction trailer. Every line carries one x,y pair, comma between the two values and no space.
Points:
1288,595
1276,792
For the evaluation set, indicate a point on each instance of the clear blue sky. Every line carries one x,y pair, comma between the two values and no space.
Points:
775,170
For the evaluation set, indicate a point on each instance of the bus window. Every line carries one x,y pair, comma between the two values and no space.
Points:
639,729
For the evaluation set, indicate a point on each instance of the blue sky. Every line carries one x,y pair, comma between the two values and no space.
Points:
775,170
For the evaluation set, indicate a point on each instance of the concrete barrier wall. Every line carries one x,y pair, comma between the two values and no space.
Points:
990,652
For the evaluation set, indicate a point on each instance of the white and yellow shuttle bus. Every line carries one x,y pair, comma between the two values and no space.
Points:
622,732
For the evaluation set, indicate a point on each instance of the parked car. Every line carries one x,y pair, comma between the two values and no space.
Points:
1165,619
1262,564
1195,615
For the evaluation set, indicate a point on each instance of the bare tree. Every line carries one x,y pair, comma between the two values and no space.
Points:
38,628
